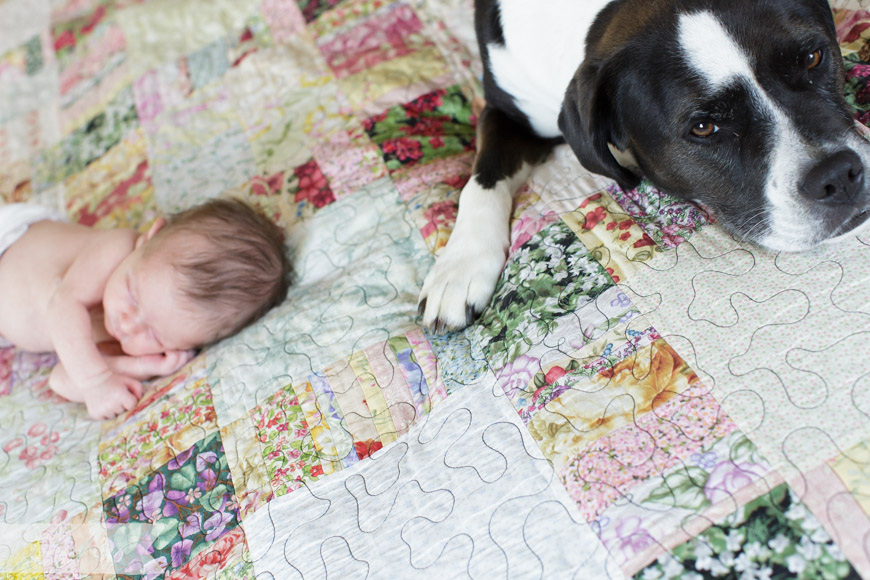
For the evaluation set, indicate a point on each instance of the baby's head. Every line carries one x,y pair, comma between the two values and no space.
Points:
202,275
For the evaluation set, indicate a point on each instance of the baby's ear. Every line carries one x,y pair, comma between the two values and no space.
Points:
155,227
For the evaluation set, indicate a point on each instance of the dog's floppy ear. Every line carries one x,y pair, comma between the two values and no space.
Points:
827,15
589,121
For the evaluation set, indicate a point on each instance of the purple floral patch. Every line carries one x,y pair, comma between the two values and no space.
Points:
161,523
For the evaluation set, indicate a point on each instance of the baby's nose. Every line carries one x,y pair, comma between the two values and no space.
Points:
131,323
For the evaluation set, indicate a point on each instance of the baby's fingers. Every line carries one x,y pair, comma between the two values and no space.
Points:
135,388
184,356
128,403
175,359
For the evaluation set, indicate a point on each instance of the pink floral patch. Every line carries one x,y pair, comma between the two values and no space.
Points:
385,36
313,185
611,466
283,17
666,220
37,447
7,357
288,449
438,215
527,226
269,185
349,162
403,149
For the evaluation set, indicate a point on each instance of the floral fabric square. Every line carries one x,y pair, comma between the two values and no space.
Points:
686,405
550,276
389,33
287,446
179,511
774,536
433,126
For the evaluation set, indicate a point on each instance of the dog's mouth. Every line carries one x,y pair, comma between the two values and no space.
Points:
852,223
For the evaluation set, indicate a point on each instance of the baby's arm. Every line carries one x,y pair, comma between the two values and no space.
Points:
147,366
105,393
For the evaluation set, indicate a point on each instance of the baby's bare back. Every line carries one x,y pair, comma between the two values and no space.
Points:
30,270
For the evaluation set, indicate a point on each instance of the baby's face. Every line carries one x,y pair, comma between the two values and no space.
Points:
145,310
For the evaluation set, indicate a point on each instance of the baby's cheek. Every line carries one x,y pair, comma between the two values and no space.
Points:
136,345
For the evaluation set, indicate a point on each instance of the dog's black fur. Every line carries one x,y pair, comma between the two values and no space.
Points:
636,91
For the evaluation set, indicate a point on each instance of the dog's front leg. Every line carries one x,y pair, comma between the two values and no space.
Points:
464,276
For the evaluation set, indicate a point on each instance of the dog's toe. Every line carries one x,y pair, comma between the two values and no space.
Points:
459,287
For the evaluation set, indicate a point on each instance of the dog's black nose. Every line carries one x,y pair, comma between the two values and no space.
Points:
835,179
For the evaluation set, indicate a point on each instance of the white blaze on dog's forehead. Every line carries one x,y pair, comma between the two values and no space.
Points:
716,57
710,50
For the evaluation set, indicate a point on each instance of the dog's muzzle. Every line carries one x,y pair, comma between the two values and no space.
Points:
835,186
835,180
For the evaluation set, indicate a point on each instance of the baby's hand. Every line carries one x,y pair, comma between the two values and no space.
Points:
112,396
172,360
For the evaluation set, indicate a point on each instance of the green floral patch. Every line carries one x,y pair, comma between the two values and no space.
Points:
33,51
177,512
89,142
288,448
208,64
434,126
312,9
773,537
212,61
26,58
551,275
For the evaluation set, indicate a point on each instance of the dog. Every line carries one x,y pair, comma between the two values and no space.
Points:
736,104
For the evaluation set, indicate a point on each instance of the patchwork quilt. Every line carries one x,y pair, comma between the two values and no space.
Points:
644,397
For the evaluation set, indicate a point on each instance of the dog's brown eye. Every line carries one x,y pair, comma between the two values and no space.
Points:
704,129
814,58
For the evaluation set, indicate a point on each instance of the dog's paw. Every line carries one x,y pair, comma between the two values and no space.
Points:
460,284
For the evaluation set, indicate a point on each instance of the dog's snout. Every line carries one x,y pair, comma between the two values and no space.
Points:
838,178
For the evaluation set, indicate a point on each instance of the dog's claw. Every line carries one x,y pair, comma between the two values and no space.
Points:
470,315
440,325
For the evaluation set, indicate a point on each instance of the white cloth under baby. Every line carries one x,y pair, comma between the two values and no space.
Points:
15,218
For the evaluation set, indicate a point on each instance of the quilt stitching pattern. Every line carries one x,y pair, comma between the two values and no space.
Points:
644,397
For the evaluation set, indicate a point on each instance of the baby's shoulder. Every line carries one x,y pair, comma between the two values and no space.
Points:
77,237
121,238
110,244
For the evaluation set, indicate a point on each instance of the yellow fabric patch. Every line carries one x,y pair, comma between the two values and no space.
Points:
163,30
853,468
411,74
609,400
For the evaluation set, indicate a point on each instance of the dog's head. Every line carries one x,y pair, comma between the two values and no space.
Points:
736,104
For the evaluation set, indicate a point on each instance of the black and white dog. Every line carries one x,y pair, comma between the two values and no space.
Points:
735,103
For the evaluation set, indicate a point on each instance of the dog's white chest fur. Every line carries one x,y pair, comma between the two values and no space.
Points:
544,45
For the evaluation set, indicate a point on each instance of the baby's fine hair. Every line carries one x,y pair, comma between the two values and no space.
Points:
242,269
